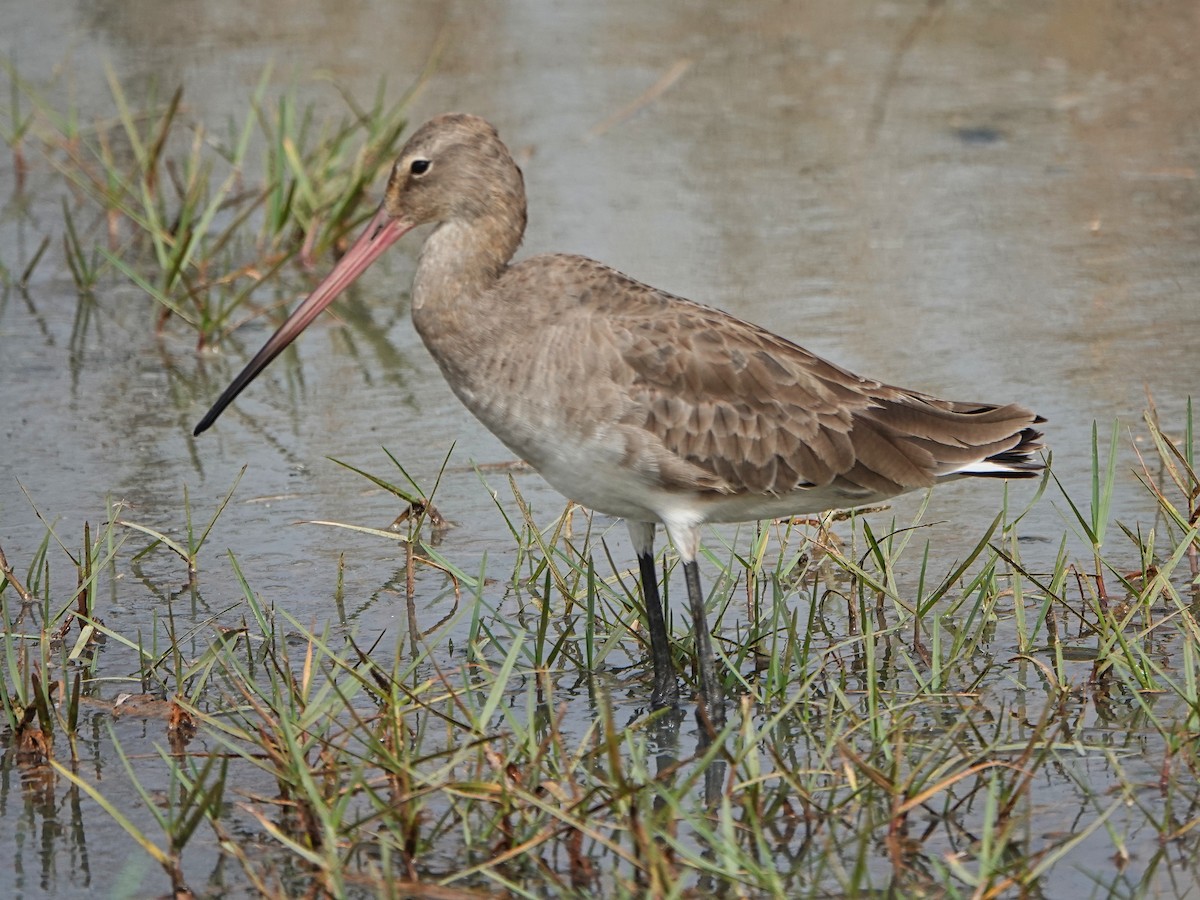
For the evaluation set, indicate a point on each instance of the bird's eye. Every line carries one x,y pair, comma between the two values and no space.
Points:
419,166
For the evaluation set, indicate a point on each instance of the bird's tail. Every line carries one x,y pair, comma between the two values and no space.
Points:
1019,461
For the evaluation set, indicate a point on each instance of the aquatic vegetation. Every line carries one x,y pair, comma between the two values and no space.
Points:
887,734
200,220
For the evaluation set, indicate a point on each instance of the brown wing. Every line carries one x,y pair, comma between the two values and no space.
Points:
760,414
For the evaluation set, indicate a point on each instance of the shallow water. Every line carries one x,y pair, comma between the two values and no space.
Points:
987,201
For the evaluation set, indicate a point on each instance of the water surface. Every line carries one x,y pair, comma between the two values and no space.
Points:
987,201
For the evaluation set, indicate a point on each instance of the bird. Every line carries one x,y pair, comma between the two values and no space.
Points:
637,403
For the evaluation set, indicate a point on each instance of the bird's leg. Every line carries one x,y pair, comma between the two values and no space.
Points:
666,689
712,703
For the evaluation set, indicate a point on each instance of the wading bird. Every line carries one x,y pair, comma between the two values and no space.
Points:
637,403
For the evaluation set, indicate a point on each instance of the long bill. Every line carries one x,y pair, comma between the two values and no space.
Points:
382,231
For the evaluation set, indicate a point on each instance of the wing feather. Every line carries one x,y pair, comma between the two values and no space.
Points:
711,402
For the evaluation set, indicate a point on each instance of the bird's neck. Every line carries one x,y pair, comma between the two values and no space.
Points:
461,260
456,304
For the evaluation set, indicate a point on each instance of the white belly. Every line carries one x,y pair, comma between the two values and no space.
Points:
594,476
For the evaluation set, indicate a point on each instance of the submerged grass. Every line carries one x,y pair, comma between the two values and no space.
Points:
993,731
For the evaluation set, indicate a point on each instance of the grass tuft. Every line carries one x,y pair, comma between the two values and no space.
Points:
198,221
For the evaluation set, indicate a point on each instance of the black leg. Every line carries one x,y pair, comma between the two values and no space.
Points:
666,688
711,701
